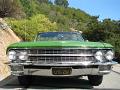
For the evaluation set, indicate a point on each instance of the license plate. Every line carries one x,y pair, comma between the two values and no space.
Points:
61,71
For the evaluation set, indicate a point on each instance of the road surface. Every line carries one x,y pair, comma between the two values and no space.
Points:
110,82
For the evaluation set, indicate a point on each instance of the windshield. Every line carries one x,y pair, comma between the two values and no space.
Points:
60,36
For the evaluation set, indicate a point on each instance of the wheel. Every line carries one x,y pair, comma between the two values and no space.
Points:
25,80
95,80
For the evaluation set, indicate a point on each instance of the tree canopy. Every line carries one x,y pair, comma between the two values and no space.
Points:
63,3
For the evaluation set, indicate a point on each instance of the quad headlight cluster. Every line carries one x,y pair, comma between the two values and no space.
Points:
100,55
13,55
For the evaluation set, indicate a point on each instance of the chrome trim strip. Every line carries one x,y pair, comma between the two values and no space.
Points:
82,55
105,72
61,48
87,63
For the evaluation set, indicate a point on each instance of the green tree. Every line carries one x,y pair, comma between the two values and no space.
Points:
43,1
63,3
28,28
30,7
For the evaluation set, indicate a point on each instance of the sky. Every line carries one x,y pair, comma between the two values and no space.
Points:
102,8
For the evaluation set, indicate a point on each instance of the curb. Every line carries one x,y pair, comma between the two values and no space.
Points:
116,68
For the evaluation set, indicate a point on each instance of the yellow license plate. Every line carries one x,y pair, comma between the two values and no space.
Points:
61,71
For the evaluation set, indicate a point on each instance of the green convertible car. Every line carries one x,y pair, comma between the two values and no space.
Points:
60,54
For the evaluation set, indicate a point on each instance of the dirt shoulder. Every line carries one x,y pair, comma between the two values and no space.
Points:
7,37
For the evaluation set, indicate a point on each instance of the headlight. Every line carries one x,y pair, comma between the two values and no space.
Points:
12,55
23,56
109,55
99,55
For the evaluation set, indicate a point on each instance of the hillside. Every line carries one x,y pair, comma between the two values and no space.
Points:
7,37
65,17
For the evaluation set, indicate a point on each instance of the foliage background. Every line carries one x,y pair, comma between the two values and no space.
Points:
28,17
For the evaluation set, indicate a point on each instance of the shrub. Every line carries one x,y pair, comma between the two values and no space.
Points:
28,28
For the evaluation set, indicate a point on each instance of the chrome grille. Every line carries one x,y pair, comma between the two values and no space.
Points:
43,59
61,51
59,55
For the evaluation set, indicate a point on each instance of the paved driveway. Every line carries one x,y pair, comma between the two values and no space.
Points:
110,82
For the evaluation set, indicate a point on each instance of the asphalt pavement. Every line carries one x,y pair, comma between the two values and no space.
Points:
110,82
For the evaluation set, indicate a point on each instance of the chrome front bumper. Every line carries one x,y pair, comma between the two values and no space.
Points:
87,69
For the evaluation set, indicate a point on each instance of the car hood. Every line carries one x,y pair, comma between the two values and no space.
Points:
60,44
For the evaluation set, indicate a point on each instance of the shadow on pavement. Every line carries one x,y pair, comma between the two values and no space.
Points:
9,83
61,83
47,83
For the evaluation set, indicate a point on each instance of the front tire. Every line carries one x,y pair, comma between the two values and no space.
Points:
95,80
25,80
